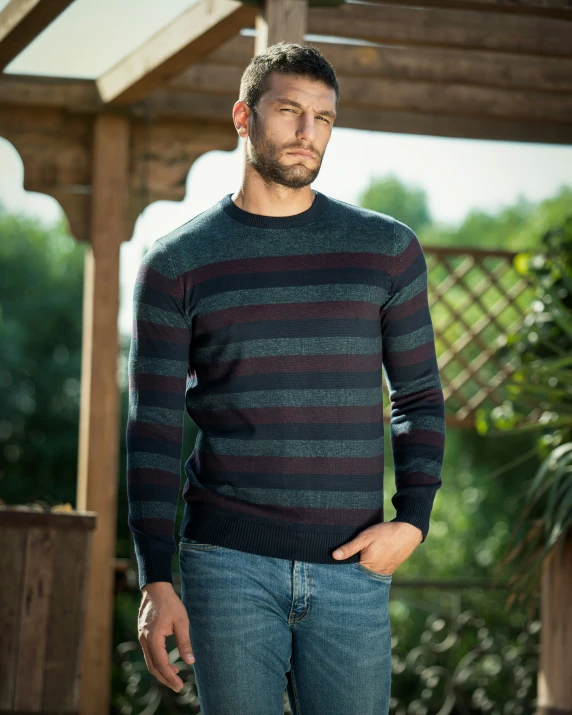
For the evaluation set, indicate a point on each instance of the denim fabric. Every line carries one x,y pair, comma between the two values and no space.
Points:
260,625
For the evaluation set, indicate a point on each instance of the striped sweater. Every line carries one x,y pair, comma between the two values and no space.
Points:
272,332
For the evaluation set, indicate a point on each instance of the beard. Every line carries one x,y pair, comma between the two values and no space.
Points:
264,156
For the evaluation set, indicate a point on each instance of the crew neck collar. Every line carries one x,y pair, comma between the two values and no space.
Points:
261,221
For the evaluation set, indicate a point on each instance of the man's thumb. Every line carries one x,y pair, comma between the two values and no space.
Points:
346,550
184,642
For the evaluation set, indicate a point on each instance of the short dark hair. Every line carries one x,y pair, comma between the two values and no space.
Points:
285,58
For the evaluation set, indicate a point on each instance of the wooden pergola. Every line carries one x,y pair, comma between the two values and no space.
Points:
106,148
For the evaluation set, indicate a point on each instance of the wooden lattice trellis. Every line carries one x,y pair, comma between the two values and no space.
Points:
477,299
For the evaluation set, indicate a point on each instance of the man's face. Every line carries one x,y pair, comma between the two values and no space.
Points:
295,114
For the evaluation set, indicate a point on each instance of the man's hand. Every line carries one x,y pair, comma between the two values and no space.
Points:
384,546
161,614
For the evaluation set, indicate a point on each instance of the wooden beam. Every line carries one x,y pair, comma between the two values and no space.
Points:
279,20
56,145
73,95
220,73
454,97
456,100
437,27
392,106
431,64
55,148
210,107
21,21
541,8
554,682
197,31
99,413
459,127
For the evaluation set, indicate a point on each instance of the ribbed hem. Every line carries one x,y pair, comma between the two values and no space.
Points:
154,564
413,511
214,527
319,204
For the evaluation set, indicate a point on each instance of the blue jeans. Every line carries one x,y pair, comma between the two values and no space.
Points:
260,625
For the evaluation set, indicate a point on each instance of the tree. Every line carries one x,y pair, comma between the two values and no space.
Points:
40,360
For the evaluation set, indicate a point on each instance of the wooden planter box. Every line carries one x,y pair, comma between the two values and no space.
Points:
44,566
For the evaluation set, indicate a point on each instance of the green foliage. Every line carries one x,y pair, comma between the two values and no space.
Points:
514,228
40,360
390,196
484,473
539,400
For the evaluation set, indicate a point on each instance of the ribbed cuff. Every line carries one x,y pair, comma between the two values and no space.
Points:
413,511
154,564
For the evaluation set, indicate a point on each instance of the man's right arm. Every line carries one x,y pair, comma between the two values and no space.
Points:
158,364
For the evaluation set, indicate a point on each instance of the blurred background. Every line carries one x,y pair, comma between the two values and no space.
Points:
465,607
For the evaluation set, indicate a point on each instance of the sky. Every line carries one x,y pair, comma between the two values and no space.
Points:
457,174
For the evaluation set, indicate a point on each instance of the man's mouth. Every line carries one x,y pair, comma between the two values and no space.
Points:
302,153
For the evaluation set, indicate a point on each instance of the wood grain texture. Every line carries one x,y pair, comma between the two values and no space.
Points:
21,21
280,20
554,681
34,618
99,412
198,30
12,562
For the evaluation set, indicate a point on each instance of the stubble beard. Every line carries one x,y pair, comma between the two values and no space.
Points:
263,155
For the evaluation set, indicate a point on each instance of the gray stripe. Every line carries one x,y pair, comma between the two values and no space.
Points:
290,346
422,422
398,389
402,343
301,498
159,366
286,398
418,464
152,460
292,294
159,415
333,449
153,314
152,510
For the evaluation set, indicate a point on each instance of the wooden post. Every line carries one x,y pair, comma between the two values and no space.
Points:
99,415
554,673
279,20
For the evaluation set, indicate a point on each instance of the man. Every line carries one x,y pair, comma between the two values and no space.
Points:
269,317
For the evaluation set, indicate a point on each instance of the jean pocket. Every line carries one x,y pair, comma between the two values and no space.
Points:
374,574
187,543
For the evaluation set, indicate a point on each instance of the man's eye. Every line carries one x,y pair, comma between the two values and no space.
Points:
286,109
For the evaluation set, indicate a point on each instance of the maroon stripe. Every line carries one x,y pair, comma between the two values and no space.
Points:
157,331
290,364
405,309
152,278
161,383
408,256
268,264
413,355
293,465
429,395
156,280
417,478
147,475
419,436
289,415
153,430
287,311
286,514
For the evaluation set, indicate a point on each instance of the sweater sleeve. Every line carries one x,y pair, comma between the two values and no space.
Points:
158,364
417,422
